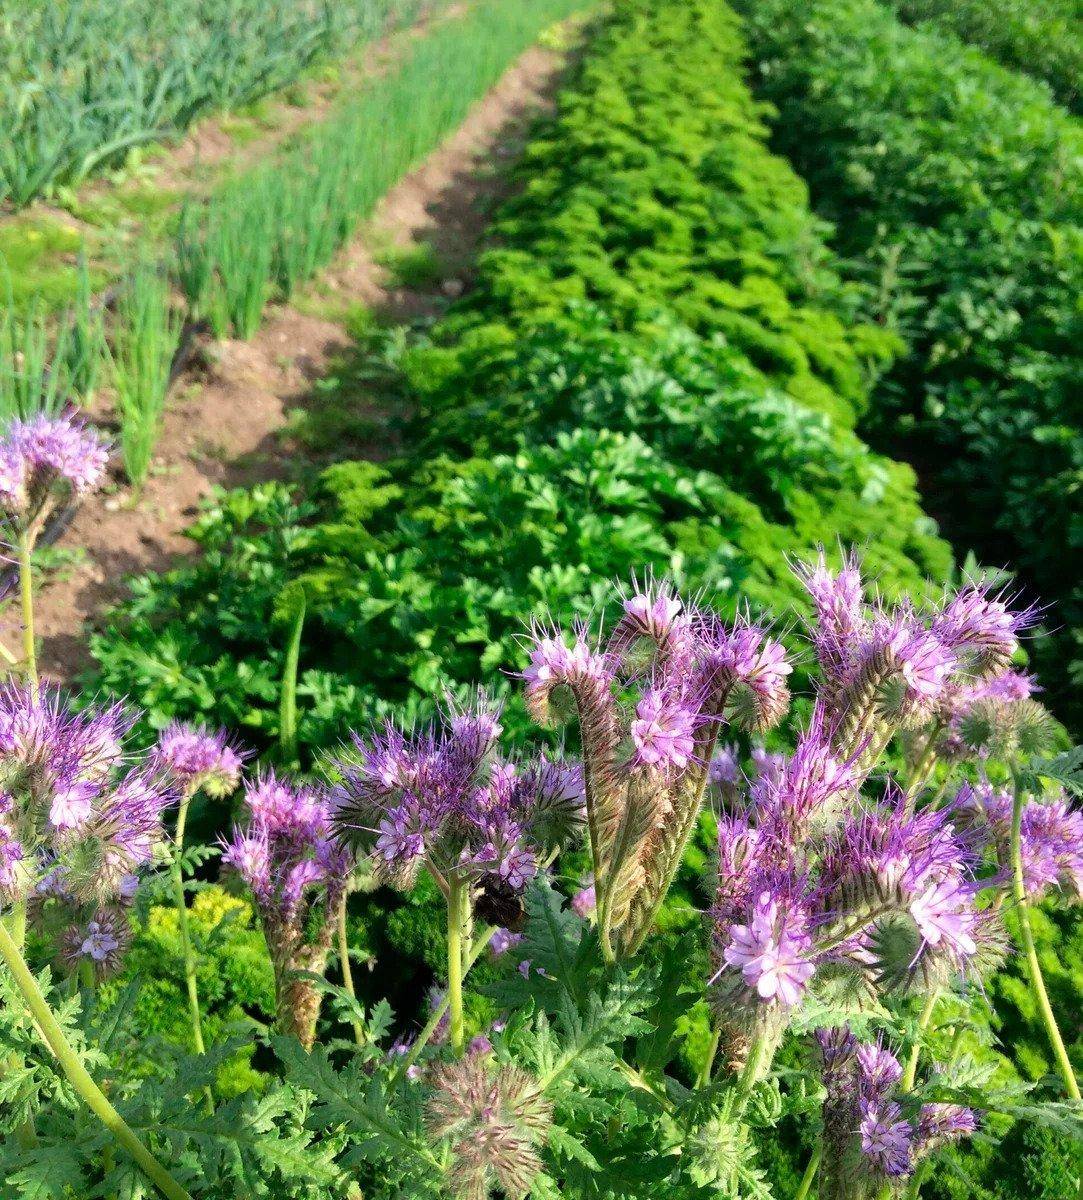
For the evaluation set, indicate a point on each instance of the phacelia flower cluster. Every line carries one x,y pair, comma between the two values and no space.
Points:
650,700
47,457
200,760
1050,837
441,796
872,1132
73,804
905,664
813,876
298,873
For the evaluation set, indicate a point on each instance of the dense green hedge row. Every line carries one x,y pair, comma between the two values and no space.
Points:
1043,39
659,366
956,186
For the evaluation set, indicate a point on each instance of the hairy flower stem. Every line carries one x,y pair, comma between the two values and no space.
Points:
458,899
644,920
1037,983
760,1055
704,1077
906,1083
926,760
25,1133
78,1076
810,1173
26,600
344,961
188,958
855,927
435,1017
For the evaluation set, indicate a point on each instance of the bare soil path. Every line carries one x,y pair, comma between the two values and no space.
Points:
227,426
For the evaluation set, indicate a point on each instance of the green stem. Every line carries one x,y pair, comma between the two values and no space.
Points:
188,958
1026,933
78,1076
437,1013
458,891
347,973
26,599
26,1133
924,762
704,1077
287,702
759,1059
938,795
913,1188
810,1173
910,1074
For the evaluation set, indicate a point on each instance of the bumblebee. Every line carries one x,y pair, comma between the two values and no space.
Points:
499,904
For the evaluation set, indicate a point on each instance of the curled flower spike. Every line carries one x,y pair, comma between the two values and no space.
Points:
442,798
200,760
981,628
939,1124
650,699
838,599
887,669
879,1069
868,1138
1051,837
811,788
297,872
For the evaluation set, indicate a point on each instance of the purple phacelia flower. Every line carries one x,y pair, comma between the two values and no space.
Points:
503,940
838,1048
724,771
663,730
946,918
287,849
813,785
585,900
43,453
72,805
880,1069
940,1123
199,759
441,796
885,1137
772,952
981,627
838,599
101,941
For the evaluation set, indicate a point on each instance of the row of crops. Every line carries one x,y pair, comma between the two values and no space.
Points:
955,187
85,82
257,239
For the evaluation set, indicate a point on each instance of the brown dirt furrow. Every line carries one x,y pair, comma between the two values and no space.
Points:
227,426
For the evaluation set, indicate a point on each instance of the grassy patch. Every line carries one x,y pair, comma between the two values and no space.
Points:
415,266
38,260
